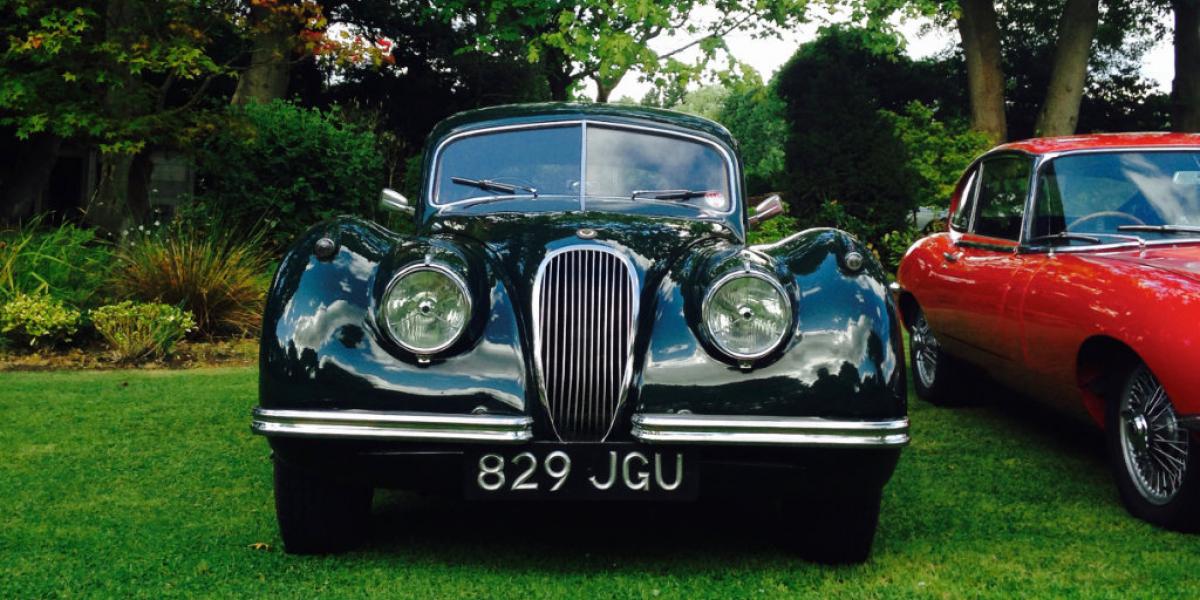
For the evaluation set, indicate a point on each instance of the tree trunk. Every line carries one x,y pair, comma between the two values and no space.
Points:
27,175
985,76
108,208
1185,92
1076,30
557,68
266,78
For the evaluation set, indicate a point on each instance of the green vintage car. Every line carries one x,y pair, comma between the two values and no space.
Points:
578,317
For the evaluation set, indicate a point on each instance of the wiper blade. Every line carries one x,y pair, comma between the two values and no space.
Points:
670,194
1160,228
1066,236
494,186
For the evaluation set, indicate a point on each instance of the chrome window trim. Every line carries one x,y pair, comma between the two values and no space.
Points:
402,426
1045,159
1025,204
536,309
712,289
782,431
970,189
731,165
423,266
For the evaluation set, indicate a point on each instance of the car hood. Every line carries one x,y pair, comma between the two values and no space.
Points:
521,241
1181,260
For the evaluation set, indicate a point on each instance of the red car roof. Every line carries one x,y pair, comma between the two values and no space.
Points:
1102,140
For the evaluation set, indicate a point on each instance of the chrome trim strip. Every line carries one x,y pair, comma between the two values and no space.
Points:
782,431
357,424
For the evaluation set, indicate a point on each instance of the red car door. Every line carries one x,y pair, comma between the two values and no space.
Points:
993,275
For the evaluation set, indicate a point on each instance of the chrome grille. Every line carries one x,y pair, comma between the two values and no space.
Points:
585,309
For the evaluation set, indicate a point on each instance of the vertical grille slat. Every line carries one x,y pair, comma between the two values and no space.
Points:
587,304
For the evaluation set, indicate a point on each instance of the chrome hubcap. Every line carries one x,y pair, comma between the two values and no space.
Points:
925,350
1154,446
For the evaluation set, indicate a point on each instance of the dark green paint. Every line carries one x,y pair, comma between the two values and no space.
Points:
322,346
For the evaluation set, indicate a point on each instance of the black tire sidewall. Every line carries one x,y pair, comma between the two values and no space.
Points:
1182,513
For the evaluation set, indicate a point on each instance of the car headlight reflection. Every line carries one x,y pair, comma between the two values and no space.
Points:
426,308
747,314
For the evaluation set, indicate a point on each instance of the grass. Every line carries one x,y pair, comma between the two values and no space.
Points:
148,483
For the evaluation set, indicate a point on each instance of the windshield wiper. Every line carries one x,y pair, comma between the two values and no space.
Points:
670,194
1160,228
494,186
1065,235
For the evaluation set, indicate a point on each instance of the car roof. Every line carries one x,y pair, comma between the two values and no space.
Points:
516,114
1101,141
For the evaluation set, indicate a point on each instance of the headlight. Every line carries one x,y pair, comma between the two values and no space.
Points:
426,308
747,314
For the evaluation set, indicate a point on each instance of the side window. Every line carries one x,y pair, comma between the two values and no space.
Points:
966,203
1003,189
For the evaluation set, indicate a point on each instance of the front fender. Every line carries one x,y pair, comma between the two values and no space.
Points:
843,359
322,346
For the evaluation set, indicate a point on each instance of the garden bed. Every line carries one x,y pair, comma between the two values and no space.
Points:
186,355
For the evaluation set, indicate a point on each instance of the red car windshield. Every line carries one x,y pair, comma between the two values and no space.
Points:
1112,195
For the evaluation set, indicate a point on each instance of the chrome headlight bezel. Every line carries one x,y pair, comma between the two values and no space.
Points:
715,286
440,269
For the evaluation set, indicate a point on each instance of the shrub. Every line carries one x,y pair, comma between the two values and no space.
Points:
37,319
754,114
66,262
286,168
219,275
939,151
137,331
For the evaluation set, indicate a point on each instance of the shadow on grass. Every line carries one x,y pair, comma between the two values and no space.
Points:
574,536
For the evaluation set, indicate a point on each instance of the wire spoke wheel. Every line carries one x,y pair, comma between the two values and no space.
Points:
1153,444
925,350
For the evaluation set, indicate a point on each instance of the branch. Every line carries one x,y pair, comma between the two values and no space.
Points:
711,35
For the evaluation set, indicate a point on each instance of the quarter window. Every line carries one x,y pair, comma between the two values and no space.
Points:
1004,186
966,203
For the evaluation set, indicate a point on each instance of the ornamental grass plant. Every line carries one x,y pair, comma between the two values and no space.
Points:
217,274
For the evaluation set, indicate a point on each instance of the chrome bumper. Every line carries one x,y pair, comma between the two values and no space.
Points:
773,431
392,426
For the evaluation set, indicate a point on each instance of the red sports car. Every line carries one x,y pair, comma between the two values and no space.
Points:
1071,272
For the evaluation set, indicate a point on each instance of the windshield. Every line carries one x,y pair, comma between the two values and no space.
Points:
1113,196
622,165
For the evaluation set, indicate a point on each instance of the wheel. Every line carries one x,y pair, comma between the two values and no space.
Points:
839,531
318,515
934,371
1155,462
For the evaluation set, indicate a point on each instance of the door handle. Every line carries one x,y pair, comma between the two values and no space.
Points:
951,256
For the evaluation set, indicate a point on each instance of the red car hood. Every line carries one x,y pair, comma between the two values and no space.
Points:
1182,260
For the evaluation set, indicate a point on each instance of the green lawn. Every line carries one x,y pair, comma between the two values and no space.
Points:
149,483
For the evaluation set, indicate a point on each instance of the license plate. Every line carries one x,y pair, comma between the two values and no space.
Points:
581,471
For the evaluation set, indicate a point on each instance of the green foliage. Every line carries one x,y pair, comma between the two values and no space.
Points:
893,245
137,331
754,114
708,102
840,147
66,262
37,320
285,168
938,151
218,275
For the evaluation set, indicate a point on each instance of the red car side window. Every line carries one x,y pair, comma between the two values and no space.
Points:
1003,189
961,221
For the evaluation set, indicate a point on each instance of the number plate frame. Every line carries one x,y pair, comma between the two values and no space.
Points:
591,466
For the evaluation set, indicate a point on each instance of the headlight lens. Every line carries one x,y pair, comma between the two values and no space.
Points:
747,314
426,308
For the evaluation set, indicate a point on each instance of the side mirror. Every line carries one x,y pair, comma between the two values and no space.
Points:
766,209
392,200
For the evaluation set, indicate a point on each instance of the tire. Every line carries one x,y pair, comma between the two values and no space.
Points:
935,373
835,532
1156,464
316,514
